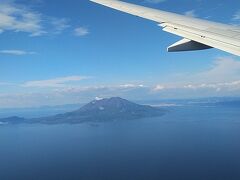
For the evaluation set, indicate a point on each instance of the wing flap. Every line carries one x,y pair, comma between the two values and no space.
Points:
187,45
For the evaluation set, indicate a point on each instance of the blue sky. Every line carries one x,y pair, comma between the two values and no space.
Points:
59,52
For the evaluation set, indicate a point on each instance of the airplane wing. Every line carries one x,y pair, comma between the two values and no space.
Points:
197,34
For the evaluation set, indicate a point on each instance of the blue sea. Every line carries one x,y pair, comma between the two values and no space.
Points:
188,143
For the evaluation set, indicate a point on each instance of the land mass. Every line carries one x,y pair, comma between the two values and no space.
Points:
110,109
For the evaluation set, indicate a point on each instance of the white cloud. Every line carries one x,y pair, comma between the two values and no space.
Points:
16,52
155,1
198,87
59,25
234,85
101,88
54,83
131,86
81,31
159,88
236,16
191,13
20,19
224,69
224,75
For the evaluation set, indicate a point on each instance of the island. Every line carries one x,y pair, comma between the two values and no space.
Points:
100,110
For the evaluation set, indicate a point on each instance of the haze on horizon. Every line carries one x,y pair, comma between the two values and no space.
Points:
72,53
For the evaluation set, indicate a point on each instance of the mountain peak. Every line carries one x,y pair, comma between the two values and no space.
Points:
108,104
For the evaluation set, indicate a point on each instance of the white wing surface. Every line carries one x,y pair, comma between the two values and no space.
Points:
197,34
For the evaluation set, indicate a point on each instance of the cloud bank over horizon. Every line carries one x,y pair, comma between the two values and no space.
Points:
222,78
